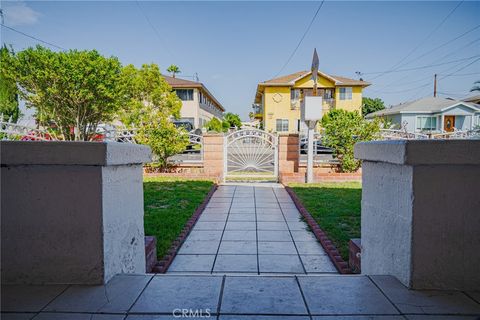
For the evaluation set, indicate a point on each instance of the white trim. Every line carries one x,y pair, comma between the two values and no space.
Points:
433,116
460,103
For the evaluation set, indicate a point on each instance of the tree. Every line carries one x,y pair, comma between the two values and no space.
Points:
232,120
73,90
173,69
8,87
151,105
164,139
342,130
215,125
476,86
370,105
149,96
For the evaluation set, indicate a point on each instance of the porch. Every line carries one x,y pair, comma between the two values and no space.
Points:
149,297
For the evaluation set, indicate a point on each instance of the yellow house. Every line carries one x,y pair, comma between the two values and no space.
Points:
277,101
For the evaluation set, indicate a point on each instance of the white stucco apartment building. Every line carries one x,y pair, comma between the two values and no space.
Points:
198,104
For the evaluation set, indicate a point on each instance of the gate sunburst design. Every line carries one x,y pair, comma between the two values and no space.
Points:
251,153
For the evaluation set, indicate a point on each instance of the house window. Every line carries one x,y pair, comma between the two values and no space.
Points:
282,125
185,94
426,123
328,94
294,95
476,121
346,93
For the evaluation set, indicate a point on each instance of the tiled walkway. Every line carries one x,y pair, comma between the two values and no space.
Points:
303,297
253,229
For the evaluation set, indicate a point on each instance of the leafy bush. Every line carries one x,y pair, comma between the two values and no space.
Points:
8,88
232,120
75,90
152,104
370,105
164,139
342,130
216,125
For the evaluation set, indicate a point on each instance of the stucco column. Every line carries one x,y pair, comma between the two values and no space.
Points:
213,159
72,212
421,212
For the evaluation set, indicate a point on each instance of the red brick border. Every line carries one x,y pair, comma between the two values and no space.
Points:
164,263
321,236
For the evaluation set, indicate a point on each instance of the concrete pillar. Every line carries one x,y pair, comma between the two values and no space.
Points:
213,155
288,153
72,212
421,212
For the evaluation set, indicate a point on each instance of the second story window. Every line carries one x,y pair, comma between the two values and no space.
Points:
282,125
346,93
185,94
294,95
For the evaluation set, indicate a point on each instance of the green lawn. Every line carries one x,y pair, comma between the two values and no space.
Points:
169,203
336,208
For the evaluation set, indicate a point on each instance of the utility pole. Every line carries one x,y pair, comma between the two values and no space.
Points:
1,14
435,85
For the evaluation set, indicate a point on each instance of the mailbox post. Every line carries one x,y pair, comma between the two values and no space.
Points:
311,112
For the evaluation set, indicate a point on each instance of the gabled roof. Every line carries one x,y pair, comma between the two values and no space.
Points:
424,105
473,99
182,83
290,79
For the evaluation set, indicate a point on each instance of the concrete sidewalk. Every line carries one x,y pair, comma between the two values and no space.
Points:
162,297
254,229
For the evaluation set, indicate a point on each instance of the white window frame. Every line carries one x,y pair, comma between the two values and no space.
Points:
345,93
187,91
417,122
283,125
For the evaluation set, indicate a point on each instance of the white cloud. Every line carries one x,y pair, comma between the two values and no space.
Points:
18,13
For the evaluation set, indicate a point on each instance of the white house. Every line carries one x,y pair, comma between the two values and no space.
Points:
432,114
198,104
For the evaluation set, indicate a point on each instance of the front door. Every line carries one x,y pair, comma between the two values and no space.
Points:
448,123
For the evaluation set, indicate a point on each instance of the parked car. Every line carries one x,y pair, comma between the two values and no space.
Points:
317,145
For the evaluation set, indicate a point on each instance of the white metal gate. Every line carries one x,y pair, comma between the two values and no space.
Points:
251,154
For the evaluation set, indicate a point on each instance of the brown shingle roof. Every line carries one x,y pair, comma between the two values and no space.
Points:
288,79
182,83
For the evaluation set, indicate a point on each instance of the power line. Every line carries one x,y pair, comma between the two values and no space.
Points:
301,39
462,68
462,74
424,78
154,29
32,37
429,82
444,44
399,64
423,67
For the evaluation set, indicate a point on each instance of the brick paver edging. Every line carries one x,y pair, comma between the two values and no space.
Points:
164,263
321,236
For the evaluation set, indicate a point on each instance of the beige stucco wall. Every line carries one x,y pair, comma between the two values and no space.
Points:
197,110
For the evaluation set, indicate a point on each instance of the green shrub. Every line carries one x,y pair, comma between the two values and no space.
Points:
342,130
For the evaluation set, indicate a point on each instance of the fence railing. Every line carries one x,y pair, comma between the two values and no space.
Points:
458,134
391,134
15,131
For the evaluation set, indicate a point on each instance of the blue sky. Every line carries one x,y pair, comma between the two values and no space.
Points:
234,45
